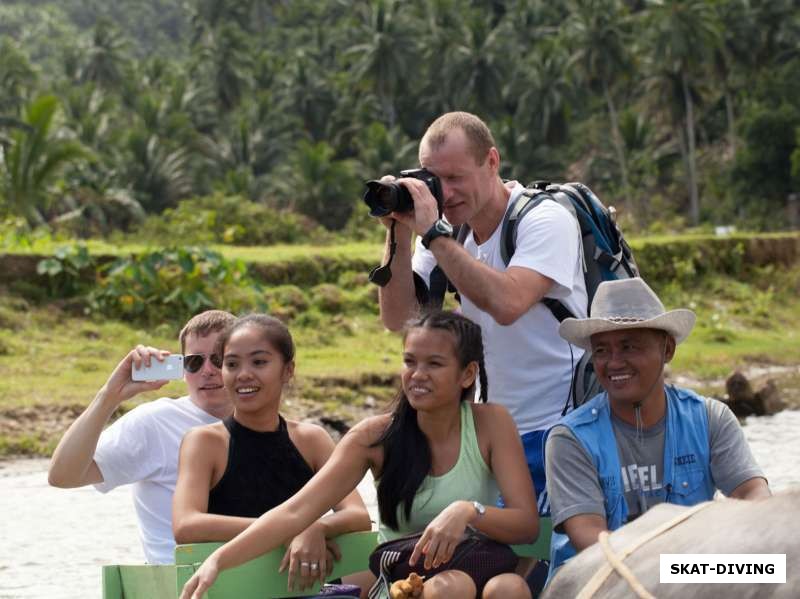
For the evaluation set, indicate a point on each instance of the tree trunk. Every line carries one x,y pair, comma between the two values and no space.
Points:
684,156
616,136
389,111
731,121
694,200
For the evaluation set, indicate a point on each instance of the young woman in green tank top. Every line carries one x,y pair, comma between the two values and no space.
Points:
438,458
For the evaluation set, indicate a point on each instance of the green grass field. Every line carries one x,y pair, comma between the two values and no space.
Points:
54,358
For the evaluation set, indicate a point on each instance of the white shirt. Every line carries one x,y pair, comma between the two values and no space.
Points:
529,366
141,448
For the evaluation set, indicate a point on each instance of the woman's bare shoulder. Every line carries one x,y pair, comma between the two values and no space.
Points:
208,433
306,429
369,430
492,420
205,444
490,412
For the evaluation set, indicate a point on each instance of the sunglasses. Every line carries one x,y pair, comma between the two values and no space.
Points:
194,362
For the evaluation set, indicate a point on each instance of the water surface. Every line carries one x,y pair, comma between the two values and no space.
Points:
53,541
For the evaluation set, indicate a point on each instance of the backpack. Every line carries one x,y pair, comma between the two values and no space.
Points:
606,257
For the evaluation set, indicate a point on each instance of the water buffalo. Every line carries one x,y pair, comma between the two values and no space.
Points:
723,526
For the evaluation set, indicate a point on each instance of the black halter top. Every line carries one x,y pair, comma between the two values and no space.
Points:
264,469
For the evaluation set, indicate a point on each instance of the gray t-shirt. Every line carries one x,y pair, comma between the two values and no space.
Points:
572,480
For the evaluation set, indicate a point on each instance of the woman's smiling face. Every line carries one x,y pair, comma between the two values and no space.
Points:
253,370
432,376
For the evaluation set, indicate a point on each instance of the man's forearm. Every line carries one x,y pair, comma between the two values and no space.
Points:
398,300
492,291
73,458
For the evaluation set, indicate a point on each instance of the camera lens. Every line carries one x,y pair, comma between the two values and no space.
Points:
381,198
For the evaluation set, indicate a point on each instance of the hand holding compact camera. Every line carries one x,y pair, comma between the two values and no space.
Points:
171,368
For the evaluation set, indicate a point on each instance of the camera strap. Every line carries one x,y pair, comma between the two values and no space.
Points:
381,275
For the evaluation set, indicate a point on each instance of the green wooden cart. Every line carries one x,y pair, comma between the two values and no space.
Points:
257,579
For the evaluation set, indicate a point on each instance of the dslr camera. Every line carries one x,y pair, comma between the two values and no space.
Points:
385,198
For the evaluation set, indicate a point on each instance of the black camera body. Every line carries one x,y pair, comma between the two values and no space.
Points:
385,198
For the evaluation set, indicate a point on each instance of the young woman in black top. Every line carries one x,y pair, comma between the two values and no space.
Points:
421,455
233,471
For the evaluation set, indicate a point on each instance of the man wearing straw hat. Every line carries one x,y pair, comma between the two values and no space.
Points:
640,442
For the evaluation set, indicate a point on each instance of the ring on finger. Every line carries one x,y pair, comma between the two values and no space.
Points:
304,564
314,566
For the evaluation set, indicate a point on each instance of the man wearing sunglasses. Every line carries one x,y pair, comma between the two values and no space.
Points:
141,447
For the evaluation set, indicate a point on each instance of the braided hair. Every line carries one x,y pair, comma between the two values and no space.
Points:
407,455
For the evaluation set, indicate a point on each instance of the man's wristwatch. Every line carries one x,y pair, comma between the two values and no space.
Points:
480,509
438,229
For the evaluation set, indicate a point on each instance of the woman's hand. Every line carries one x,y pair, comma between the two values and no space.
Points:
443,534
307,558
202,580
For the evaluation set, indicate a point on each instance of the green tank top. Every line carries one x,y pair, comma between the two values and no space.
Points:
470,479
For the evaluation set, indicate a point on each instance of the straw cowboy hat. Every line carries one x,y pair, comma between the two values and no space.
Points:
626,304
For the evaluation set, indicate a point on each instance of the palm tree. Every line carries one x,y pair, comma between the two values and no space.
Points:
596,32
249,143
107,56
159,175
208,16
774,33
89,112
681,36
382,151
313,182
540,92
307,92
387,52
474,73
733,55
17,77
224,57
35,156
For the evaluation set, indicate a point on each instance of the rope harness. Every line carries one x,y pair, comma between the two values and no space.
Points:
615,560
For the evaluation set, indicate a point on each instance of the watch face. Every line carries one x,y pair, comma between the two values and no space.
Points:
444,227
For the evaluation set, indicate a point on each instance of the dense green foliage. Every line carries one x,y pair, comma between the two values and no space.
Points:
172,284
674,110
228,219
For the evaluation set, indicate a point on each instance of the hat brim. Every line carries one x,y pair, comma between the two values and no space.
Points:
578,331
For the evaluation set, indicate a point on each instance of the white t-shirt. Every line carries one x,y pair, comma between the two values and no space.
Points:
529,366
141,448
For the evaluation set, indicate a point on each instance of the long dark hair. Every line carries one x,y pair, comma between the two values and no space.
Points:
407,455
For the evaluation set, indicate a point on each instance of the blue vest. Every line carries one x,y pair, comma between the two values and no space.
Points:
687,473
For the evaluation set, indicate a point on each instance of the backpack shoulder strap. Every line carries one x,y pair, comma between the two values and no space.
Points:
524,203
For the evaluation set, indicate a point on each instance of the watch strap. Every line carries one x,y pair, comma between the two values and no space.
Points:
438,229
